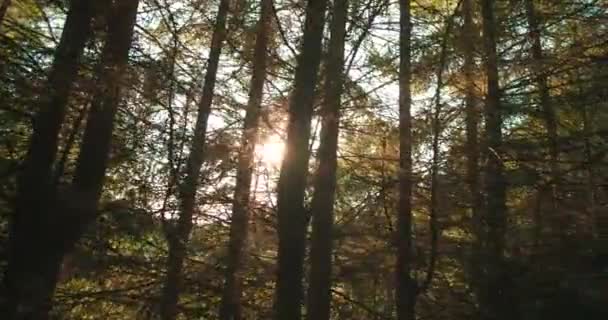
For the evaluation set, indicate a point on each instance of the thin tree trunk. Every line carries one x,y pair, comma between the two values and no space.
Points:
493,298
589,168
3,8
26,275
437,129
406,285
230,308
389,297
472,138
292,219
177,238
319,290
548,113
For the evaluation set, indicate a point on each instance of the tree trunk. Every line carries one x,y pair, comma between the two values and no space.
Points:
472,138
80,206
292,181
69,145
177,238
493,303
319,290
406,285
548,113
3,8
230,308
590,172
58,231
25,275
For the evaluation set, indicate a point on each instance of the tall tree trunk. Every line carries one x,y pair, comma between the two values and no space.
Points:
230,306
3,8
319,290
292,219
80,204
548,112
493,302
34,188
406,285
472,137
590,172
58,230
177,238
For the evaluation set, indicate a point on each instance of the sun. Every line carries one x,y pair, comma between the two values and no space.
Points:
270,152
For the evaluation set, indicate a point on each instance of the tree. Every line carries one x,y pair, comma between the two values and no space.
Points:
118,268
322,207
292,219
35,191
472,134
230,307
3,8
547,110
406,286
493,303
177,236
68,216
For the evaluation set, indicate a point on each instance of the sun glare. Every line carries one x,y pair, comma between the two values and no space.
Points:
270,151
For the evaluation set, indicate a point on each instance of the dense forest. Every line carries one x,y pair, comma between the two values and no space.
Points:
304,159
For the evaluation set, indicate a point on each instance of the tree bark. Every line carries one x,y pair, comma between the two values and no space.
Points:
292,219
3,8
25,273
230,308
80,205
69,144
177,238
547,111
406,285
57,231
493,301
590,172
319,290
472,138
